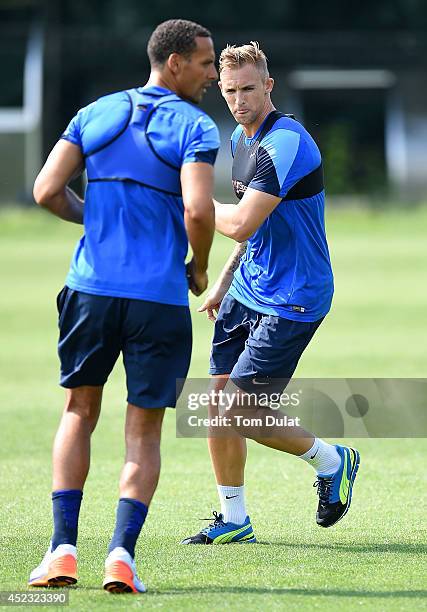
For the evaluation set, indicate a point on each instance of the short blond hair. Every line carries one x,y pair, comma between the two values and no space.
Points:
234,57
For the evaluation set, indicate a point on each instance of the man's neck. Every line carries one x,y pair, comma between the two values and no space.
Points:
251,129
157,79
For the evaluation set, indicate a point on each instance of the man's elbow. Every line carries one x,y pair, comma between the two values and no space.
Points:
43,193
200,214
240,233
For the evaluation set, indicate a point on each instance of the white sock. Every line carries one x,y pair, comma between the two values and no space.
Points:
323,457
232,504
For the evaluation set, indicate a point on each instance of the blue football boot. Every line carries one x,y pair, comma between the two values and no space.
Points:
220,532
335,490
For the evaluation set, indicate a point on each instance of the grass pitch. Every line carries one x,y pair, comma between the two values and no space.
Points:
371,560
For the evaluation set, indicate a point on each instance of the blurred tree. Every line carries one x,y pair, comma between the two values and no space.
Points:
348,125
337,158
296,15
246,14
93,47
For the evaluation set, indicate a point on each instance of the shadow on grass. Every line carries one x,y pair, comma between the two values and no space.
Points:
288,591
237,590
395,547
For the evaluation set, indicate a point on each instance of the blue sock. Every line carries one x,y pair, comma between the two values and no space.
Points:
66,508
130,518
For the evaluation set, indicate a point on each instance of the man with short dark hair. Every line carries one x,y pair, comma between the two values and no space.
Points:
174,36
272,295
149,158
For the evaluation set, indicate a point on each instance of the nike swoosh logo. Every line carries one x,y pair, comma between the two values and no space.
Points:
313,456
230,496
260,382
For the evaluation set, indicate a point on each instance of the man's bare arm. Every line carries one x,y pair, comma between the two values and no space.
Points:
199,216
232,263
242,220
51,190
222,285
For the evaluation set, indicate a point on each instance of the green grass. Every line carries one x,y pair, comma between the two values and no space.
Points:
373,560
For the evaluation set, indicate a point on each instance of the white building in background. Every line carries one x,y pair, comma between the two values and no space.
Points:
21,145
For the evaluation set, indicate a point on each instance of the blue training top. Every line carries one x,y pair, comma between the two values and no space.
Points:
134,144
286,270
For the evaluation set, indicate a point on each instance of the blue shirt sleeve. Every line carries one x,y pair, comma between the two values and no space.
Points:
203,142
275,157
99,121
72,132
235,137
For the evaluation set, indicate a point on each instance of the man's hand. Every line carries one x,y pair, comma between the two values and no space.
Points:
222,285
197,280
214,299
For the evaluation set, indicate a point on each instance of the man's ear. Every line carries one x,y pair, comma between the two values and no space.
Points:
269,84
174,63
220,85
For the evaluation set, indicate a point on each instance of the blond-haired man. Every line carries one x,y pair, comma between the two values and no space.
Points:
272,294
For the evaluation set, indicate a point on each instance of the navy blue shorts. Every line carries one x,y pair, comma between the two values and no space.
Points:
155,340
256,349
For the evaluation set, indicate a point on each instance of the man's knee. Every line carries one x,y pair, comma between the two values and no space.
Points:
144,424
84,402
